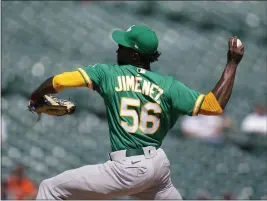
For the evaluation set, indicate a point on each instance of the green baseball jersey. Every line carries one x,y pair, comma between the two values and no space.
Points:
142,106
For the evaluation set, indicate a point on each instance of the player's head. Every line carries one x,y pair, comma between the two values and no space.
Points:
137,46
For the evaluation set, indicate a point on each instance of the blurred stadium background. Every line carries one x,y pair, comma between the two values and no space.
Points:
41,38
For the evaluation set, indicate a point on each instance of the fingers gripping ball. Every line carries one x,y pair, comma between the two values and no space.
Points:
238,42
53,106
235,51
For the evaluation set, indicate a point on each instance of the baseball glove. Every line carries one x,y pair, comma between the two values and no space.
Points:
53,106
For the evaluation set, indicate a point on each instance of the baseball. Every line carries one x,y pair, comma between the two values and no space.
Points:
238,43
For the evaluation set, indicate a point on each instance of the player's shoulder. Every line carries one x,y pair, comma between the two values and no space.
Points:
99,65
166,81
168,78
101,68
173,83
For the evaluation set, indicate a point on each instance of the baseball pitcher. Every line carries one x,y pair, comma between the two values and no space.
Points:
141,106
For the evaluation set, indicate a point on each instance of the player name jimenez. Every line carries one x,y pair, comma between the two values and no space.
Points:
139,85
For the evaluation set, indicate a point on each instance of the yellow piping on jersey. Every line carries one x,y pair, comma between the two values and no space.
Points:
86,78
198,105
68,80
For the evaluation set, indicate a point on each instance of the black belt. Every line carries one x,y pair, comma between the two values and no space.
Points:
136,152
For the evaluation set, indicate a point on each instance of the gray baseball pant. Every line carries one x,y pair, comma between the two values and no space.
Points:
143,177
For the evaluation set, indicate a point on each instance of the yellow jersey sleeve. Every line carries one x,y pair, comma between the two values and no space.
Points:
210,105
71,80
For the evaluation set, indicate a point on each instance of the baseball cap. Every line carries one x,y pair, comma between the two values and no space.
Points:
140,38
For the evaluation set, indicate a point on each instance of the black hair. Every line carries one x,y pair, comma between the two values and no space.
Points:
154,57
145,59
151,58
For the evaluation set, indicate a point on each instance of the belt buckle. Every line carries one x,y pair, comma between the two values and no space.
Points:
150,152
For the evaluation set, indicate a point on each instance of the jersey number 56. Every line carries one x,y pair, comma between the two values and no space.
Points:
139,122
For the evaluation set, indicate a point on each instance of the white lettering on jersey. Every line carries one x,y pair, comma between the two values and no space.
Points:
119,88
139,85
130,83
